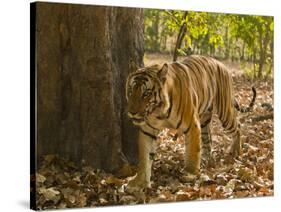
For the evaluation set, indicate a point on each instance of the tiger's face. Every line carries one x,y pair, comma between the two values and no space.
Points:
143,93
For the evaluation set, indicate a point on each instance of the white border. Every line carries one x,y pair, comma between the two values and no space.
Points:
14,106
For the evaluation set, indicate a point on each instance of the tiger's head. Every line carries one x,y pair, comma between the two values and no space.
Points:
143,92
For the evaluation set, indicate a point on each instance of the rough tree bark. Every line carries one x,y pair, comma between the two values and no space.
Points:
83,56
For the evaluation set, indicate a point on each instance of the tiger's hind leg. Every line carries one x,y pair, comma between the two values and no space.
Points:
232,127
235,147
193,147
206,138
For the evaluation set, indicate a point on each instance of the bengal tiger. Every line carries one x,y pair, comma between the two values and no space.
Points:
182,96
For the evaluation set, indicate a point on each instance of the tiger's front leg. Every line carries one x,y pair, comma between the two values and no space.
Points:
193,147
146,145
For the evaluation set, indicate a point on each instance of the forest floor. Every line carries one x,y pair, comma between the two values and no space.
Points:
60,184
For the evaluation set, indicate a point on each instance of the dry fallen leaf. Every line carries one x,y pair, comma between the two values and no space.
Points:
50,194
40,178
182,196
111,180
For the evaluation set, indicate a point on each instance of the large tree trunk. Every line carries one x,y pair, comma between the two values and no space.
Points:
83,56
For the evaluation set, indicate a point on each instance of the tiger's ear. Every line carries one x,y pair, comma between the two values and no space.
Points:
163,72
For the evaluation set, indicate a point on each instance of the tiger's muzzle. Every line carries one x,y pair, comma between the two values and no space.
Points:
136,118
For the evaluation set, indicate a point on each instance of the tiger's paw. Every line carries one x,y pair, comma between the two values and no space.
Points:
192,169
188,178
233,151
138,182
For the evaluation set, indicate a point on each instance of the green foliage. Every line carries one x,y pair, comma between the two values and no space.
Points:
257,33
151,29
228,36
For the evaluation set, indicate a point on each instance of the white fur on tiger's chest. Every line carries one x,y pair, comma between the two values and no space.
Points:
156,125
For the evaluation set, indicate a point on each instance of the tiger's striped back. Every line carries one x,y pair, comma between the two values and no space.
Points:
197,85
214,87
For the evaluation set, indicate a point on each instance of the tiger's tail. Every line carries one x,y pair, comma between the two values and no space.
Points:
250,107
